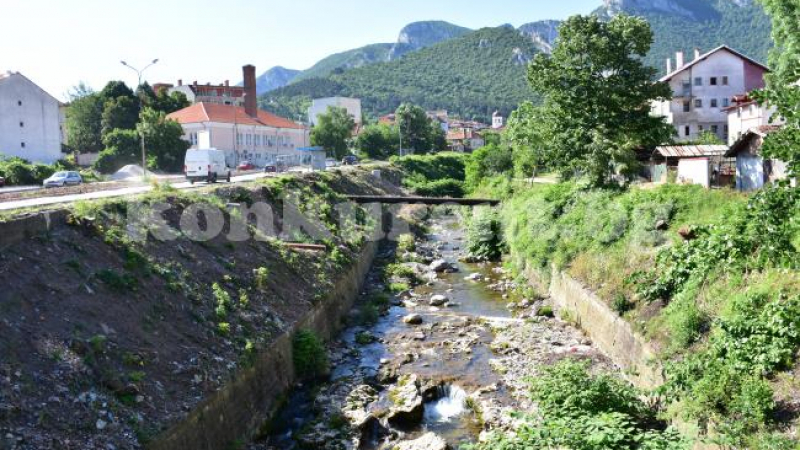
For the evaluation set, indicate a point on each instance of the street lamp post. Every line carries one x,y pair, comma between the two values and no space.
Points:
141,106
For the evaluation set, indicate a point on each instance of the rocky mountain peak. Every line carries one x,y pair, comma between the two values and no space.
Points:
417,35
691,9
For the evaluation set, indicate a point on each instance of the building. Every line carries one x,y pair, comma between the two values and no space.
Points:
222,94
31,120
321,105
705,165
753,171
704,88
464,140
746,114
498,121
245,133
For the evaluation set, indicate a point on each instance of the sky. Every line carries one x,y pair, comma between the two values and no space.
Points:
59,43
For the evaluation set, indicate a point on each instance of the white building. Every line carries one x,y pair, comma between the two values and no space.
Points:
497,120
30,120
746,114
320,106
704,88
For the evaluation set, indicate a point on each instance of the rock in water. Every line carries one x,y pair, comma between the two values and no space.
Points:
428,441
412,319
438,300
439,266
407,407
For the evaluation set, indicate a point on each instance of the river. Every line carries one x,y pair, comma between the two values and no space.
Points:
459,372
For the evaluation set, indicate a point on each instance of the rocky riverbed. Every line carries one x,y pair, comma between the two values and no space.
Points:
446,362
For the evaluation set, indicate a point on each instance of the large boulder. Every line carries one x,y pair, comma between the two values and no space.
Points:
438,300
412,319
428,441
407,407
439,266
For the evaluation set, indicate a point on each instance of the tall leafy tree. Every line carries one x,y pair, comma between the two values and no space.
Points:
597,95
333,130
161,100
783,83
119,113
378,141
415,128
165,145
84,130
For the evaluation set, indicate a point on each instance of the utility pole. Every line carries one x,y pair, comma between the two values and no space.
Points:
141,107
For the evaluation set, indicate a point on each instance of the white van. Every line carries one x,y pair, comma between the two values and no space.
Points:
206,165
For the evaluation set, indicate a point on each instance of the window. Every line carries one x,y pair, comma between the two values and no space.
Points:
700,128
724,81
726,102
738,113
698,81
698,103
19,102
22,124
727,130
22,144
713,103
687,130
687,106
713,81
715,129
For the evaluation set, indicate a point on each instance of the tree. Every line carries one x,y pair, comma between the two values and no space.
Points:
332,131
119,113
378,141
121,148
83,123
489,160
783,83
114,89
415,128
161,100
597,95
165,145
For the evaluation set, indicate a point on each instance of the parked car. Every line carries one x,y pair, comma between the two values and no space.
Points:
350,160
246,165
205,165
330,162
64,178
2,181
270,168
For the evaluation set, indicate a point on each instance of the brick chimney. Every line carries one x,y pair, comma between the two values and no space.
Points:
250,101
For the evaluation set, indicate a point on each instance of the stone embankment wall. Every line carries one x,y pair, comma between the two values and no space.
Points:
236,413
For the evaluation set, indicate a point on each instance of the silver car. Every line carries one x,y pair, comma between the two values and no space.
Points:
64,178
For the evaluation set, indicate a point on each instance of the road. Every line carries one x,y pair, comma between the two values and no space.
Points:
121,192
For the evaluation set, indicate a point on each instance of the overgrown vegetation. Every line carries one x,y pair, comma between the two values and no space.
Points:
437,175
582,411
309,355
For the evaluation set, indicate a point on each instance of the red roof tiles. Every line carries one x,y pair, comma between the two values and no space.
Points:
214,112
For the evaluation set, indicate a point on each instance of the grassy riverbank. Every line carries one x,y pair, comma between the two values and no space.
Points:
711,278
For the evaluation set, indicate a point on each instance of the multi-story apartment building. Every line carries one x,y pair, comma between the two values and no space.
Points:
223,94
245,133
31,124
704,88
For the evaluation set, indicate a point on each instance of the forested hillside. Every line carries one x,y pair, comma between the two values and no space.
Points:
472,75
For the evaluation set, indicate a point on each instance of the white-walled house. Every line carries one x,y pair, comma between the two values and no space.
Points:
30,120
321,105
704,88
259,137
747,114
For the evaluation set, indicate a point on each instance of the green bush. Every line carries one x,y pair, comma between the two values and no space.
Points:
439,175
485,234
18,171
309,355
581,411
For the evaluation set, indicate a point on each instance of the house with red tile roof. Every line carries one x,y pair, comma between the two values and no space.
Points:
244,133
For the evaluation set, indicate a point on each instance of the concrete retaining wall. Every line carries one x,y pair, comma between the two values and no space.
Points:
28,226
237,412
607,330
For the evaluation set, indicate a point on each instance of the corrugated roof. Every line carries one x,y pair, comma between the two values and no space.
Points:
691,151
